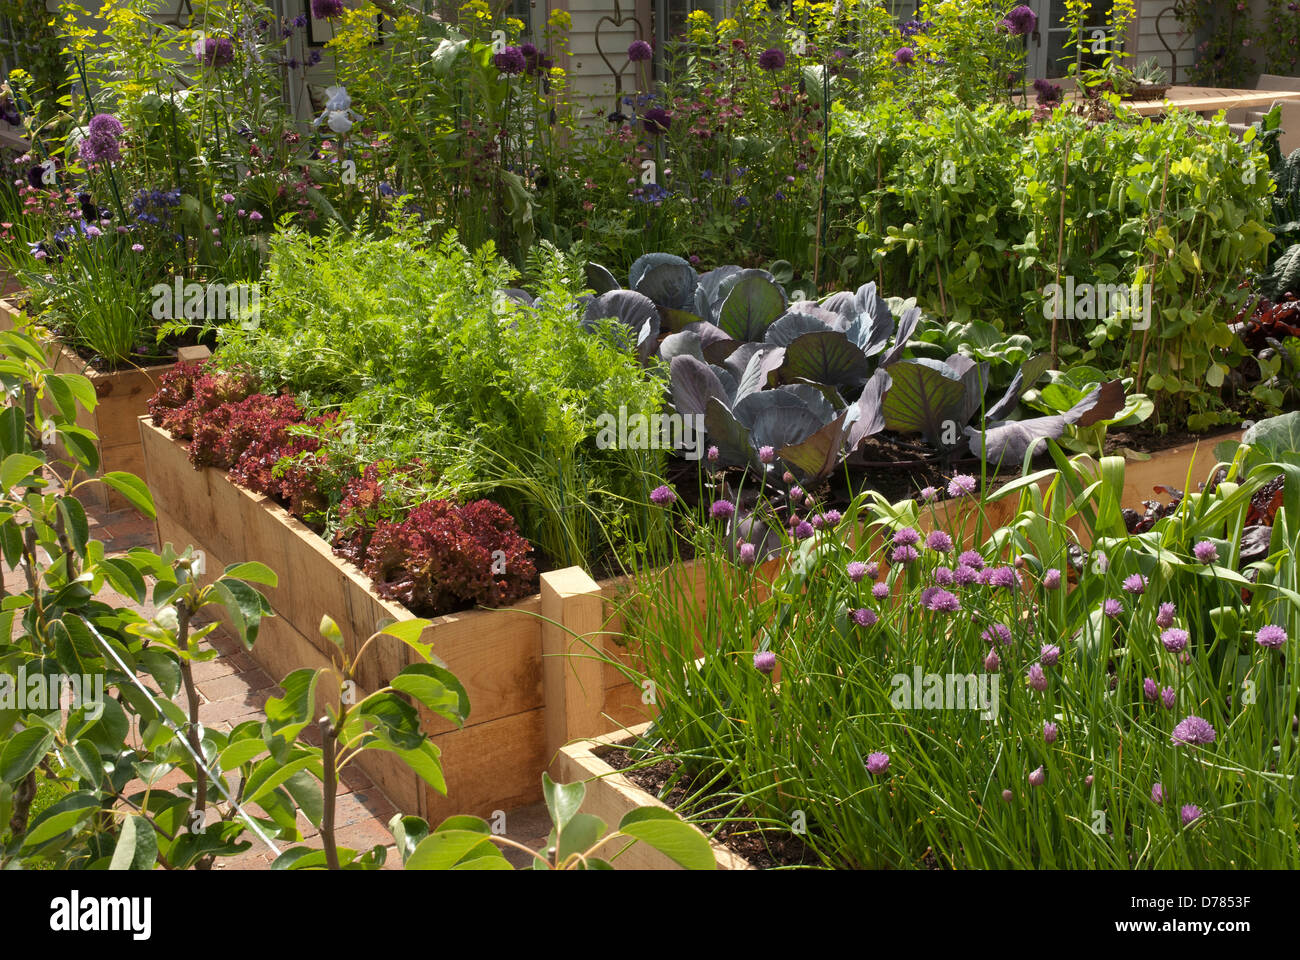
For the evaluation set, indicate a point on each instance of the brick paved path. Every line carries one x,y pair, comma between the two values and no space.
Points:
233,689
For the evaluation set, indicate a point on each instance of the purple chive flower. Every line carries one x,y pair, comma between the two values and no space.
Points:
992,662
1158,794
1205,552
1049,732
832,517
1052,579
1168,697
1008,796
93,231
1149,689
1020,21
943,576
1037,679
765,661
1165,615
771,59
928,494
904,56
228,198
1193,731
939,542
907,537
326,9
137,247
747,553
1050,654
1038,777
1271,636
962,485
640,51
1174,639
877,763
941,601
713,454
1112,608
722,509
1135,584
1087,781
766,455
662,496
511,60
796,492
864,617
254,215
856,571
873,570
1003,577
965,575
972,559
804,530
903,555
787,478
1189,813
880,591
998,633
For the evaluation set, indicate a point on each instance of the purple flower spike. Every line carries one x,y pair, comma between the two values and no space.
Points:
1038,777
1135,584
1193,731
662,496
1271,636
992,662
877,763
1189,813
1165,615
962,485
1158,794
1052,579
864,617
1050,654
722,509
1049,732
1174,639
1206,552
1168,697
856,571
1037,679
939,542
1149,689
765,661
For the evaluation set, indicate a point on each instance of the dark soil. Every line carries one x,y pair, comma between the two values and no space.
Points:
1146,440
763,847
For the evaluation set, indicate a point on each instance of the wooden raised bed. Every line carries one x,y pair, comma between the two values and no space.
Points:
610,796
532,686
123,398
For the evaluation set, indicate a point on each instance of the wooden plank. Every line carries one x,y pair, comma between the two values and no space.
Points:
489,767
573,680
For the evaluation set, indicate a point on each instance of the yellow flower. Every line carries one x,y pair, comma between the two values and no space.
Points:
727,27
560,20
515,27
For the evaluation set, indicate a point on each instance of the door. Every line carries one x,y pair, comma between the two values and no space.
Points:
1048,56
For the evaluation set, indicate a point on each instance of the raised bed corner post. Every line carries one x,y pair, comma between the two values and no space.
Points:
573,618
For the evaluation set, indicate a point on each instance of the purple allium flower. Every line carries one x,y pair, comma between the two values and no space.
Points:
1049,732
804,530
939,542
880,591
766,454
907,537
928,494
1165,615
904,56
873,570
1174,639
903,555
962,485
510,60
254,215
640,51
771,59
998,633
1038,777
326,9
796,492
105,125
1112,608
1271,636
765,661
1052,579
972,559
713,453
943,576
93,231
1037,679
1189,812
832,517
856,571
722,509
217,52
1047,91
1050,654
1020,21
864,617
992,662
1158,794
941,601
747,553
965,575
877,763
228,198
1168,697
137,247
1135,584
657,120
1149,689
1206,552
1007,796
787,478
1003,577
662,496
1194,731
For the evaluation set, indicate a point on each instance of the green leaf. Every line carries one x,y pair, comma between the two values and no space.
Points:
269,774
435,687
252,572
298,705
137,846
307,794
239,753
246,607
68,814
82,445
409,632
125,578
16,467
75,523
563,800
83,757
134,489
23,752
670,835
580,834
443,849
408,832
330,631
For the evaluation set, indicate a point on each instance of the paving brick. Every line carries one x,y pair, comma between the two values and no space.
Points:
234,708
235,685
